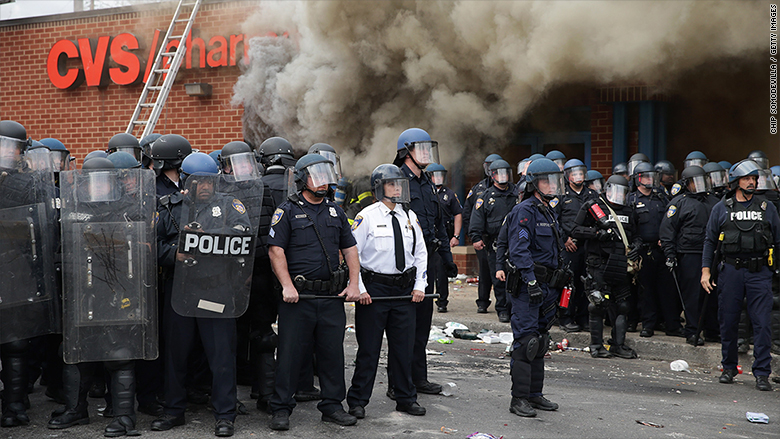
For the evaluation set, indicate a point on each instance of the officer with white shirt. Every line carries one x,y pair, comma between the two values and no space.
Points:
393,262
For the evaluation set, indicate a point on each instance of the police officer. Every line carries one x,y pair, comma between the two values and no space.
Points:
276,155
667,174
453,220
307,232
125,142
415,150
595,181
485,281
634,160
534,248
393,260
146,149
557,157
659,300
744,230
489,212
620,169
168,151
575,317
682,239
718,179
695,158
609,225
329,153
202,208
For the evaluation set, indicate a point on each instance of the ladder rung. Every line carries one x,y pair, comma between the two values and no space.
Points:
162,70
168,54
147,105
176,37
140,122
181,20
154,87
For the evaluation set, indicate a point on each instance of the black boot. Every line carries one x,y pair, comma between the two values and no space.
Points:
75,412
122,387
264,370
521,407
14,376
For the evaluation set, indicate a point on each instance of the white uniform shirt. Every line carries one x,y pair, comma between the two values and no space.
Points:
373,231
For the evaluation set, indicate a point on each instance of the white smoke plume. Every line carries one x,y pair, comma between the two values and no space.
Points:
355,74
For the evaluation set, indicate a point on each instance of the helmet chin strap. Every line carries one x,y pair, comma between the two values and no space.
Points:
317,194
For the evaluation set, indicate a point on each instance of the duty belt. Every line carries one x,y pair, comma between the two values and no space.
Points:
543,274
401,280
303,284
753,265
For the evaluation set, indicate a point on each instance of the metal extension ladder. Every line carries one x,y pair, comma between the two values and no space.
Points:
160,80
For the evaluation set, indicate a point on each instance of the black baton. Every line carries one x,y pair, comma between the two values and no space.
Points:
373,299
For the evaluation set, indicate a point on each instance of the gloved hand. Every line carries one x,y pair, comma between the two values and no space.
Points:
534,293
633,253
671,263
450,269
605,235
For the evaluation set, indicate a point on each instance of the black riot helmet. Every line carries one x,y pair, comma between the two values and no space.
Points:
620,169
146,148
125,142
695,179
329,153
13,142
237,159
645,175
168,152
718,175
616,190
501,171
387,181
695,158
666,172
313,171
276,151
488,160
635,160
760,158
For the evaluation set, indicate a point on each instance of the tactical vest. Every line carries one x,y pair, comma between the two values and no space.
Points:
746,230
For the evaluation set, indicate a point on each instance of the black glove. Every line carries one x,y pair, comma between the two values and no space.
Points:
450,269
534,293
633,253
605,235
671,263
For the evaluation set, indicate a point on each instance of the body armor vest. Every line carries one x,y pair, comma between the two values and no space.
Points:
746,229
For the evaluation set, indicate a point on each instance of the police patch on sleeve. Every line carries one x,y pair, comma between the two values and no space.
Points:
239,206
554,202
356,223
156,218
479,203
671,211
277,217
469,194
676,188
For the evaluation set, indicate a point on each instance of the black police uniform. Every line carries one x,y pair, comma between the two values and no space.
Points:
607,272
274,177
485,281
425,204
218,335
568,207
450,207
659,299
748,229
489,212
316,324
165,186
682,237
534,247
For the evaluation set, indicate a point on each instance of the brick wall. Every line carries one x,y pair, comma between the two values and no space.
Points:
601,138
85,118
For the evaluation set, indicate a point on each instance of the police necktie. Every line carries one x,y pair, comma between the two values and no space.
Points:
399,244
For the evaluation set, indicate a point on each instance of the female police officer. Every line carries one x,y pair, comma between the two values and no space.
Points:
533,251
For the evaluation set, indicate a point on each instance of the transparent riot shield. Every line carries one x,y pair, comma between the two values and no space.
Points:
109,259
28,300
219,221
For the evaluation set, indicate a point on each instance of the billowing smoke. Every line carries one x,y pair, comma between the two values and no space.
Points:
355,74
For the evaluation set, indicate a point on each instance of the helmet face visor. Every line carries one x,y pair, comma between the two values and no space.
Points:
647,179
631,165
395,190
11,152
699,184
501,175
133,151
425,153
762,162
616,194
101,186
597,185
38,159
60,160
335,159
242,166
437,177
765,181
549,185
718,179
695,162
576,174
560,163
320,174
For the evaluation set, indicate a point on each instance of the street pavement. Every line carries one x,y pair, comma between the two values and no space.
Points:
599,398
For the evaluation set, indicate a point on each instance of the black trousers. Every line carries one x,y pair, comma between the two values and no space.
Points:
307,325
485,281
689,276
499,288
442,283
660,299
218,339
371,321
577,312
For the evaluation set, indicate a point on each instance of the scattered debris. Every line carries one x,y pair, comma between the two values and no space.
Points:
649,424
757,418
478,435
446,430
449,389
679,366
430,352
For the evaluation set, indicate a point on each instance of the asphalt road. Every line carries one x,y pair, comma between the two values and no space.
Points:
599,398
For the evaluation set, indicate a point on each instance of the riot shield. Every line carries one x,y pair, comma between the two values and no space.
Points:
28,300
109,259
219,221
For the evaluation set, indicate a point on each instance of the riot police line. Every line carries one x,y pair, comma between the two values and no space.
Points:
198,259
